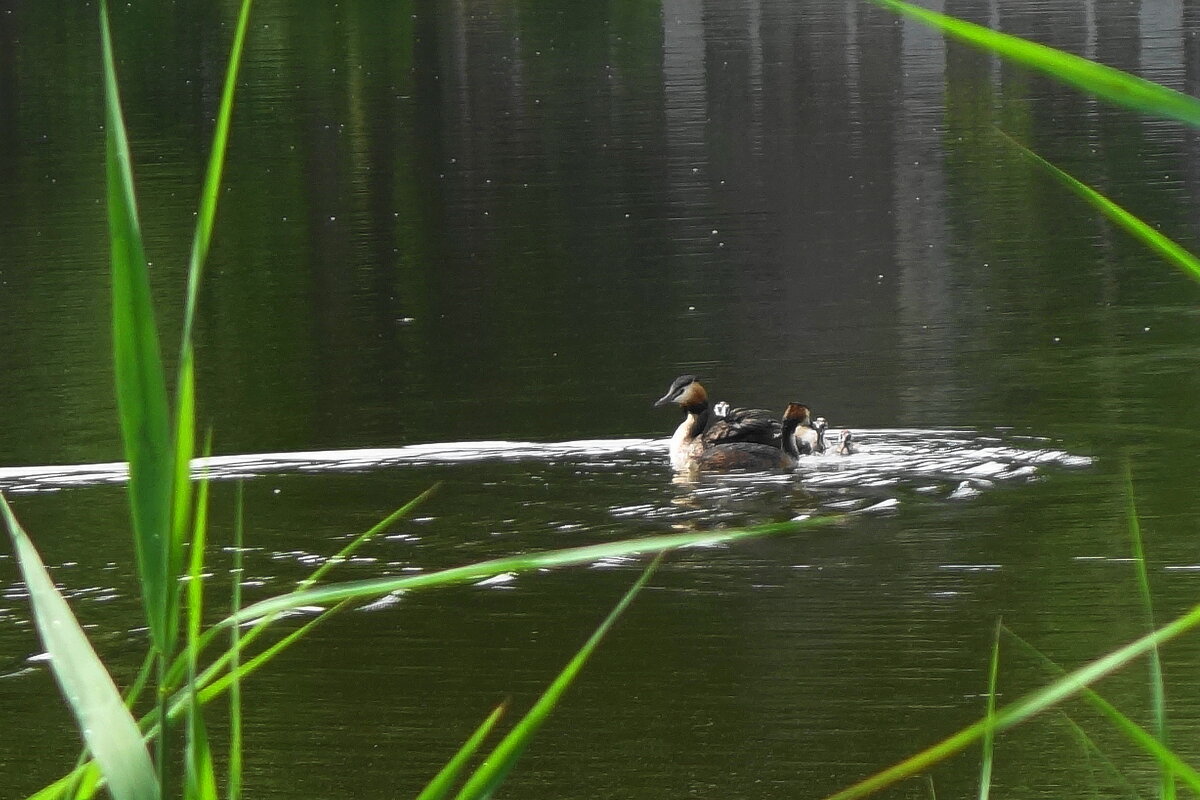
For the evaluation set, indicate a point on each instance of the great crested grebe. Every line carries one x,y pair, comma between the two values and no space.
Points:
700,430
755,455
845,444
810,434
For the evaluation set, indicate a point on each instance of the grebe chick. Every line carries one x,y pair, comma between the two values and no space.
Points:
845,444
755,455
741,425
700,431
820,425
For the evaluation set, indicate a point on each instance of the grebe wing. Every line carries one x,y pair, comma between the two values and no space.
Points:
743,425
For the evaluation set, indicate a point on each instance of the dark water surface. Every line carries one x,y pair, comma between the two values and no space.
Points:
515,223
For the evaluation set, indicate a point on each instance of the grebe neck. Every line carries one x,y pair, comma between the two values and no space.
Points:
788,440
699,415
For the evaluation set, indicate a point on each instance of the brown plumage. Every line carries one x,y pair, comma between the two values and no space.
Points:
755,455
741,425
701,430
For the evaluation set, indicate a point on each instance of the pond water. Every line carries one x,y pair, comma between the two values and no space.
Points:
471,243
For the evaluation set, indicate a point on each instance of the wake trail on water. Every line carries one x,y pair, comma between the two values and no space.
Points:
886,457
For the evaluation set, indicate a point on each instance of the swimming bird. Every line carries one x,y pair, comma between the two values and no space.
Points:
731,424
810,435
845,444
820,425
755,455
701,430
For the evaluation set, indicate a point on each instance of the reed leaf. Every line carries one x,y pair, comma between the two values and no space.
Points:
989,736
1029,706
185,391
1105,82
176,671
199,776
221,684
370,533
234,784
184,449
1168,761
1090,748
1158,692
207,211
485,780
141,388
440,786
107,726
213,683
200,781
64,785
375,587
1143,232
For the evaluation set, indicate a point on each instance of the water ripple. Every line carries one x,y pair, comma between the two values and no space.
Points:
886,457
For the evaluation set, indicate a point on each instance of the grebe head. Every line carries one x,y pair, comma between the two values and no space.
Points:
796,411
820,424
685,391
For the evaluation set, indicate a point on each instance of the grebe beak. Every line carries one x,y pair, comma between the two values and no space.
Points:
664,400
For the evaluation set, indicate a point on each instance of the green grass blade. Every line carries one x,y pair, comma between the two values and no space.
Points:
213,686
235,647
176,671
141,389
1139,559
1158,692
84,784
1168,761
181,479
210,687
1029,706
195,584
107,726
186,387
63,786
248,668
985,769
199,778
1140,230
932,789
485,780
523,563
78,787
1091,749
342,555
200,782
440,786
1105,82
88,783
207,211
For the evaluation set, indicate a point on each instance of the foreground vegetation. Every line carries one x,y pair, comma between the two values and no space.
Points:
185,667
188,667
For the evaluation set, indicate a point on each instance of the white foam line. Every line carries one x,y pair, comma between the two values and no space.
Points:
899,451
42,478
